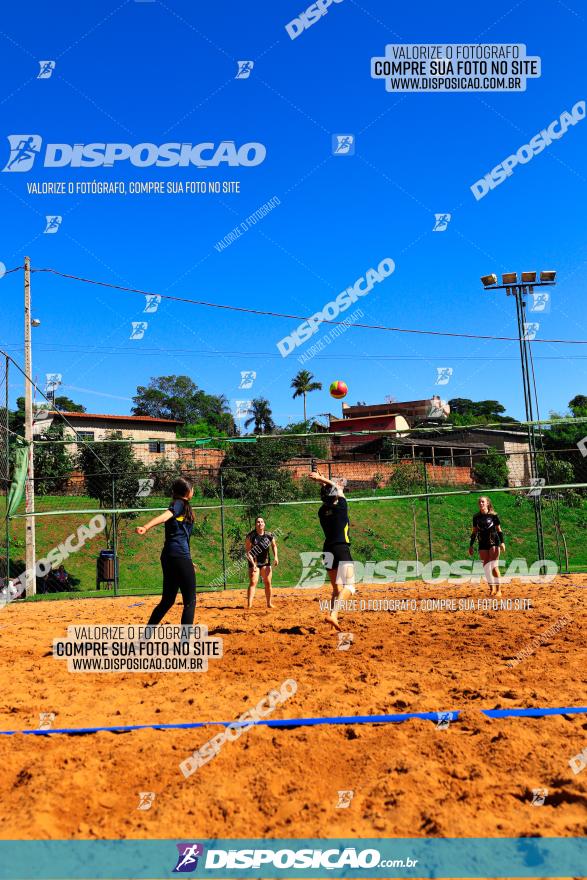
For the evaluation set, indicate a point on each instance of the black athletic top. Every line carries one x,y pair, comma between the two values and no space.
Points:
334,519
486,525
177,531
260,546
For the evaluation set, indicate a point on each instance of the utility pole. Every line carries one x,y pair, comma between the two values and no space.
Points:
519,289
30,550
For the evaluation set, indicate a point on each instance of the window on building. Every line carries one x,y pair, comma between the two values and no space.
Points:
156,446
85,435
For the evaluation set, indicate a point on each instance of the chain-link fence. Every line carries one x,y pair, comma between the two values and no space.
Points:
413,499
5,471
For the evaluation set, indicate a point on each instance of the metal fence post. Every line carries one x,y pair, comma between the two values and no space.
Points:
427,508
222,532
114,539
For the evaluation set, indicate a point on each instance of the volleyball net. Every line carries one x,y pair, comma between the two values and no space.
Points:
411,502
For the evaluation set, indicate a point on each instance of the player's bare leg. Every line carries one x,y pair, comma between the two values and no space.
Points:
267,574
253,581
342,581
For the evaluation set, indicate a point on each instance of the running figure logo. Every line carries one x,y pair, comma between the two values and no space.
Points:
441,222
443,720
23,150
247,379
138,329
345,641
344,798
145,486
53,223
540,302
146,799
539,795
46,719
314,569
443,375
537,483
244,69
152,302
47,68
187,860
530,330
343,145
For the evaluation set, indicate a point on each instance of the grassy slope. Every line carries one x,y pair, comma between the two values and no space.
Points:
379,531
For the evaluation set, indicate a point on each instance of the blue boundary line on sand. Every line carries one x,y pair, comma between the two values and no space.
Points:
308,722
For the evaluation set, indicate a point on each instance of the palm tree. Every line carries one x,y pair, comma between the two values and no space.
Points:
261,416
303,384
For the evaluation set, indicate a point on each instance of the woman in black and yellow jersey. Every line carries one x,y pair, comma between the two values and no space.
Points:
334,519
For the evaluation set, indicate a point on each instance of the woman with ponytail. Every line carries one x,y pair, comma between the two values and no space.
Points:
176,562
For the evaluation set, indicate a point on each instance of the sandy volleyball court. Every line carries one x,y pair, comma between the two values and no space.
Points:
474,779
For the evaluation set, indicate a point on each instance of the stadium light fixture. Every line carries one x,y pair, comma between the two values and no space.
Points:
509,278
528,277
488,280
548,276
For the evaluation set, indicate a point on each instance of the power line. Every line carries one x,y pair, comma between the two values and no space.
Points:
270,314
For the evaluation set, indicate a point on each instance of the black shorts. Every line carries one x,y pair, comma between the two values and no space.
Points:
339,552
259,565
486,545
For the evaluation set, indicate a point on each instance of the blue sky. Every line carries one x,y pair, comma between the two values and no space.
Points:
155,72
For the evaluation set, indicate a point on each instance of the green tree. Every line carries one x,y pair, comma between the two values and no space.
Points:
112,476
464,411
254,473
303,384
66,404
53,463
261,416
179,398
491,470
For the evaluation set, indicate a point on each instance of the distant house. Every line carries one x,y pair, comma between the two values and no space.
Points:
371,422
159,434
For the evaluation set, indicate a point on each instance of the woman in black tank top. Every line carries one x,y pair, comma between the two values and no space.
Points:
487,530
258,543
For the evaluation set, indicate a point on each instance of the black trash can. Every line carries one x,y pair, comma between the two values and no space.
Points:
106,569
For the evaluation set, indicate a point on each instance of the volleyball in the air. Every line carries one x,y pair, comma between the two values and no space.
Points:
338,390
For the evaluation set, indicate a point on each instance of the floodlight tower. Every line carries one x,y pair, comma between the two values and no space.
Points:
519,289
